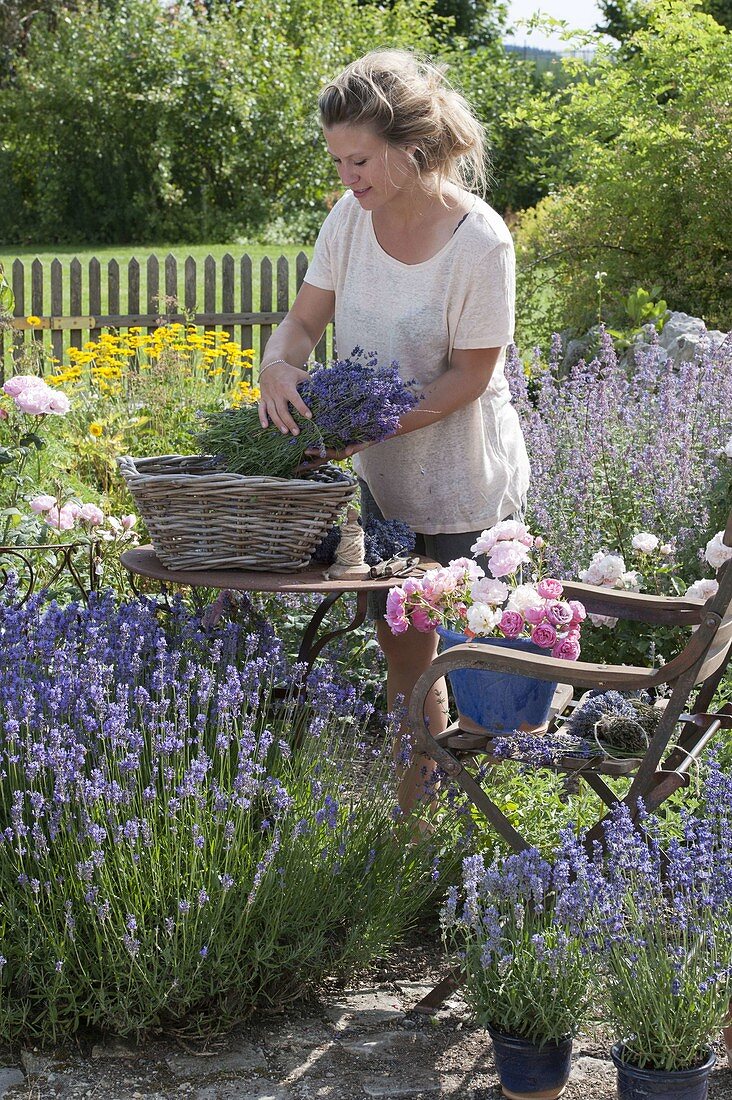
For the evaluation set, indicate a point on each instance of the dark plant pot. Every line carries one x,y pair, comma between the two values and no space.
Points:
663,1084
529,1072
499,701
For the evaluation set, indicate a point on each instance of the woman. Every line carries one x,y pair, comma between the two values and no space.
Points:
417,269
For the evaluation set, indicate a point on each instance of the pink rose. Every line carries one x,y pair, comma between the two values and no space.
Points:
559,613
567,648
511,624
18,383
544,635
505,557
578,611
41,503
535,615
62,519
395,613
550,588
422,621
34,396
506,530
92,515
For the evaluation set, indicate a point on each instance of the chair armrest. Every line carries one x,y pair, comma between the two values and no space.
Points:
636,606
581,674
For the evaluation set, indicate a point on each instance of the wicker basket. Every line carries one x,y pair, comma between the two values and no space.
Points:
200,518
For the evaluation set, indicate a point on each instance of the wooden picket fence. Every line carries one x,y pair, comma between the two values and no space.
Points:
113,302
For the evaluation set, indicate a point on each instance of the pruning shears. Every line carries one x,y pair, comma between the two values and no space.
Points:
398,566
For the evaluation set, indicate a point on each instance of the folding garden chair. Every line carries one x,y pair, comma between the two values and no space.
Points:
464,749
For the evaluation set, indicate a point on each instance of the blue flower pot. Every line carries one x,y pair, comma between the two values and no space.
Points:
529,1072
499,701
662,1084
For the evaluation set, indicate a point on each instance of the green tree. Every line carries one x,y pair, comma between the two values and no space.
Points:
622,18
650,199
139,123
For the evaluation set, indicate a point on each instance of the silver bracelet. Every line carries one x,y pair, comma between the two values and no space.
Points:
271,364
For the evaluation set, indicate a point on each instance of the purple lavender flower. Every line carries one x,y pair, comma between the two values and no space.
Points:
355,401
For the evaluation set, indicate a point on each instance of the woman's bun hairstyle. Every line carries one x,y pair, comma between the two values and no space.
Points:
410,104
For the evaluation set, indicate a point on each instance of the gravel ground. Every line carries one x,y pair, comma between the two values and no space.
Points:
350,1044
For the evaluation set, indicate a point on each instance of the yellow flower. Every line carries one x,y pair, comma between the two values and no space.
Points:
33,320
96,429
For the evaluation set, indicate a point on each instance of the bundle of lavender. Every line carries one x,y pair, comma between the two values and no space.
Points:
352,401
383,539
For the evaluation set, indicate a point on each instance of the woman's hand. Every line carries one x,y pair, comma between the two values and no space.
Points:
278,388
316,458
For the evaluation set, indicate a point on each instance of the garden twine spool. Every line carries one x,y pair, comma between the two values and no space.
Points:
351,549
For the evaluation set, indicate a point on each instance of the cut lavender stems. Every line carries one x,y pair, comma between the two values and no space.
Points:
353,401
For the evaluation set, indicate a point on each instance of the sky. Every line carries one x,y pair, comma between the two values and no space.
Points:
582,14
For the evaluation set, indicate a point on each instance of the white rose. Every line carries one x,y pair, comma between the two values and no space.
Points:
703,589
489,590
645,542
613,567
630,581
523,597
728,448
717,552
604,569
483,619
593,574
602,620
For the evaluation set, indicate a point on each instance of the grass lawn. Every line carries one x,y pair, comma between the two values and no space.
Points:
124,253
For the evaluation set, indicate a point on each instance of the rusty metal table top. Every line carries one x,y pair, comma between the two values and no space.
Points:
144,562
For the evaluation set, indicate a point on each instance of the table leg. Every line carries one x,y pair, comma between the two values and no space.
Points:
312,643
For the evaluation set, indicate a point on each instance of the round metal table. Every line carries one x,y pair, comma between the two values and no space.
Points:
144,562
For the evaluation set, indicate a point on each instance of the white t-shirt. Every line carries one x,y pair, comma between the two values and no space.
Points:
469,470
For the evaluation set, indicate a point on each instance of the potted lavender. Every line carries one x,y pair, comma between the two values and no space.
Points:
664,934
517,927
464,603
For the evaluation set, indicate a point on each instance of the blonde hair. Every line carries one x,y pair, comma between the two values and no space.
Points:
408,102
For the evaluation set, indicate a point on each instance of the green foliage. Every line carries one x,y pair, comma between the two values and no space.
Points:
7,298
526,159
622,18
650,196
138,123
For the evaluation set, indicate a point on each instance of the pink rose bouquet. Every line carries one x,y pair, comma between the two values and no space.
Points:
463,597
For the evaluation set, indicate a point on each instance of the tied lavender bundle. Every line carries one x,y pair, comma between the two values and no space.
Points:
383,539
353,401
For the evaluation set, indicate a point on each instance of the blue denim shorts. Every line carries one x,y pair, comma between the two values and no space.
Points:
441,548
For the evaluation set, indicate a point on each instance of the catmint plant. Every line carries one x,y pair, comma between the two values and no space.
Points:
616,451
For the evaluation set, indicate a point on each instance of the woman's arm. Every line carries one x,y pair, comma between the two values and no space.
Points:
469,373
292,342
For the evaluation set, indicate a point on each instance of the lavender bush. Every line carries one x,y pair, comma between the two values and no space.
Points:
616,450
663,930
167,855
520,933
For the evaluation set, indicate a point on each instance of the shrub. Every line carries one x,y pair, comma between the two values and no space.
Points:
649,201
170,852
